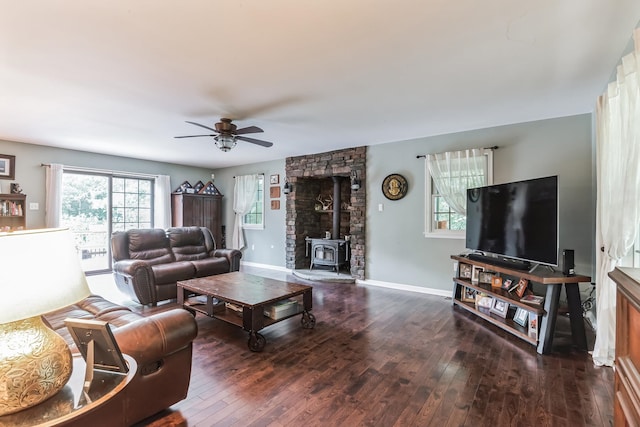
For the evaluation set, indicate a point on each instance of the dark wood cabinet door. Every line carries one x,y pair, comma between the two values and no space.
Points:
198,209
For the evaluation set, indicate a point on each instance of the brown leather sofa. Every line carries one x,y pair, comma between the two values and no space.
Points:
160,343
148,262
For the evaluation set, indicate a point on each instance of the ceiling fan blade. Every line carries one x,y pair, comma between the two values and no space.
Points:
249,129
191,136
255,141
202,126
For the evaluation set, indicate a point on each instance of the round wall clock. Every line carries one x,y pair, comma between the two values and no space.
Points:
394,186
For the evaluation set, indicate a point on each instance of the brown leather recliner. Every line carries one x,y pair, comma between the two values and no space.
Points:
161,344
148,262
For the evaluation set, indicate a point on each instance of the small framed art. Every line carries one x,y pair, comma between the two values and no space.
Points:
475,274
7,166
465,271
533,326
274,179
199,186
521,316
522,287
500,307
485,277
468,295
496,281
97,334
483,301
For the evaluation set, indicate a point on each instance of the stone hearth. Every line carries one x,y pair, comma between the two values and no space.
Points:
311,177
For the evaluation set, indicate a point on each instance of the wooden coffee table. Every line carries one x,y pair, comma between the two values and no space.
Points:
241,299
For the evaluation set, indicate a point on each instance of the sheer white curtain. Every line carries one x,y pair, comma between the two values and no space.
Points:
245,191
455,171
162,202
53,195
618,191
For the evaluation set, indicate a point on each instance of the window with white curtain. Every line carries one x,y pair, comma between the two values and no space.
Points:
254,219
447,177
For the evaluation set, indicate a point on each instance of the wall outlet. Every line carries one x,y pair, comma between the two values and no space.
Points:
34,206
380,207
253,247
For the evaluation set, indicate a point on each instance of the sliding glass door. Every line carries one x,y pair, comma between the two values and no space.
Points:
94,205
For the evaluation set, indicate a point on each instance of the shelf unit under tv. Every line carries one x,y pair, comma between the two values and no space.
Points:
547,314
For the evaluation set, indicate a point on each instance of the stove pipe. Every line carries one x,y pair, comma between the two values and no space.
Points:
335,232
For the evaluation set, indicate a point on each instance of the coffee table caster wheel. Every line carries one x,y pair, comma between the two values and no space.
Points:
256,341
308,320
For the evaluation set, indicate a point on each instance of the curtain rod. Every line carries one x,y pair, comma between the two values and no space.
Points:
103,171
254,174
422,156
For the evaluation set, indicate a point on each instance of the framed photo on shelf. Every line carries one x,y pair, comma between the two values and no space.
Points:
475,274
533,325
500,307
522,287
506,284
483,301
485,277
496,281
7,166
521,317
468,295
465,271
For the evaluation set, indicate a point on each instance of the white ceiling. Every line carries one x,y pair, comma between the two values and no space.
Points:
122,76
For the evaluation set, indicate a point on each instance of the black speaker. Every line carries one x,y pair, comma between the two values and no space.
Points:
568,267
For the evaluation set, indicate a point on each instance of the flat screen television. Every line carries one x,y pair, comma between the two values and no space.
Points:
517,220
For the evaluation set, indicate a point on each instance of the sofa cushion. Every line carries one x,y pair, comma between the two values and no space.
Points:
151,245
187,243
173,272
210,266
93,307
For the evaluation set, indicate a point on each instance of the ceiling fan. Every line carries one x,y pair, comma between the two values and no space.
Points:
227,134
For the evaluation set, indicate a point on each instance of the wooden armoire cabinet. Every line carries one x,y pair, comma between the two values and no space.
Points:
204,210
626,404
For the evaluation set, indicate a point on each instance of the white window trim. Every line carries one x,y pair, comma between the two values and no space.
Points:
429,231
261,225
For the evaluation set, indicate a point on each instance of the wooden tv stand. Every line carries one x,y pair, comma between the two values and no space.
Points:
547,314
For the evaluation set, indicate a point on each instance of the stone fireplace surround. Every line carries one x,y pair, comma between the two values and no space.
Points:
311,176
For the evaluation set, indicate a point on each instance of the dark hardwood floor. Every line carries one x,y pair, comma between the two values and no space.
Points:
380,357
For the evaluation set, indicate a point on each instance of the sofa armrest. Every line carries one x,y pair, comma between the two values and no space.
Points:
232,255
135,278
150,339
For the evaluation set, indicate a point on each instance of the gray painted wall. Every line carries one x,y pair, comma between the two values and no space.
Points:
397,251
262,246
31,175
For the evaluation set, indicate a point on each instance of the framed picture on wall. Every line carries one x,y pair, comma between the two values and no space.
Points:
7,166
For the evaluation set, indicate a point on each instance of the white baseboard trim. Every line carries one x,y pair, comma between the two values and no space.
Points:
402,287
368,282
265,266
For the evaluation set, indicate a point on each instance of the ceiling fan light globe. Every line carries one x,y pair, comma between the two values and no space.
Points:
225,142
